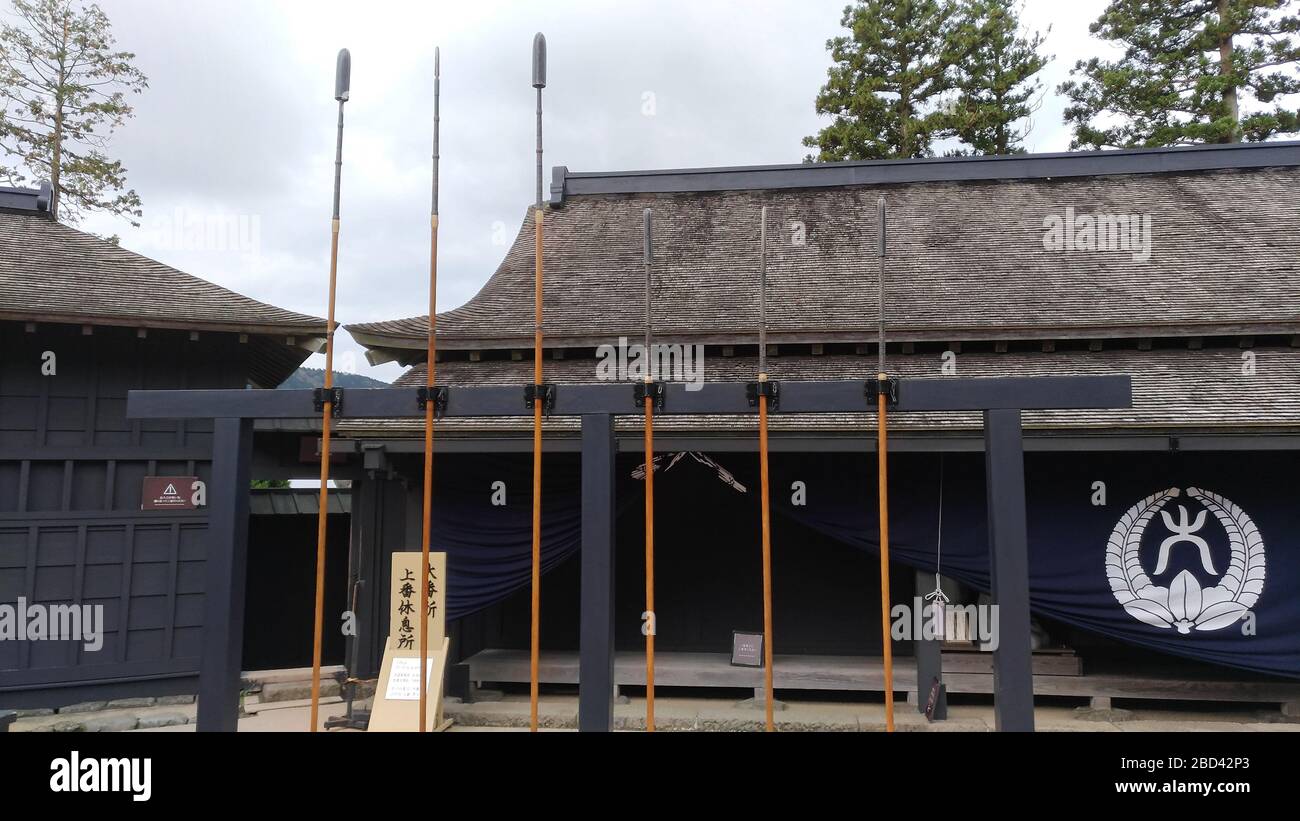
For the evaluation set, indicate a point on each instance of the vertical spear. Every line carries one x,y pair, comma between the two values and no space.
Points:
342,84
429,408
762,463
649,501
539,82
882,448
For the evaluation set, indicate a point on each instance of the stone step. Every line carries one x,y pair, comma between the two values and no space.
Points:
291,674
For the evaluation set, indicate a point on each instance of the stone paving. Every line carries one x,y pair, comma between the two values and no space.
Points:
510,713
108,716
278,701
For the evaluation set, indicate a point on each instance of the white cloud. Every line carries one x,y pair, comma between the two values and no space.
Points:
239,120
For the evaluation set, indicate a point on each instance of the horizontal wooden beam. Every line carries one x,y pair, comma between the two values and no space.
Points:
841,396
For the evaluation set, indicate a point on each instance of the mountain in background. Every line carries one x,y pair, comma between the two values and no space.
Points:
315,378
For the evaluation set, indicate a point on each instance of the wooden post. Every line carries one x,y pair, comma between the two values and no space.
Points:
225,572
1013,679
596,638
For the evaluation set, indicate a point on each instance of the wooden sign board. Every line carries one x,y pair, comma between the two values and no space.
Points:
405,600
396,707
168,493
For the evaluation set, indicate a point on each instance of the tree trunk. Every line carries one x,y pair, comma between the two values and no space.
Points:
905,136
56,152
1003,130
56,157
1225,69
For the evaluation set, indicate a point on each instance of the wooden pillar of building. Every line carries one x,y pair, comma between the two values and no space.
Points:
596,637
1013,680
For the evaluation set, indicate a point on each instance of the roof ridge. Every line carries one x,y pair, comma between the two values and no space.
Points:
1163,159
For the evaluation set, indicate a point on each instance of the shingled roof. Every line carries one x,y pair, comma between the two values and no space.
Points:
50,272
966,260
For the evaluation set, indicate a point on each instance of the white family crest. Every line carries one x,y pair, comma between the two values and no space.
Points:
1184,605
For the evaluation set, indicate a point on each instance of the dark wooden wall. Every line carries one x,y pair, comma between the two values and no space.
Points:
279,604
383,507
71,528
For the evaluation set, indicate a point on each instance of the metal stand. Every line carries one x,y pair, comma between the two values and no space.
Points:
352,719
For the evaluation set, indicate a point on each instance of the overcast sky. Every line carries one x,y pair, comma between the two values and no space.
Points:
238,124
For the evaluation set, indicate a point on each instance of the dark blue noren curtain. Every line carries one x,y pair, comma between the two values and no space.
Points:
1227,591
1232,602
489,546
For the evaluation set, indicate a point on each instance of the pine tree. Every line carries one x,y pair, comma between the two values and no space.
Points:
887,77
996,78
1188,68
63,88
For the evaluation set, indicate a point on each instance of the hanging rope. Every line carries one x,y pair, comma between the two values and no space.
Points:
937,598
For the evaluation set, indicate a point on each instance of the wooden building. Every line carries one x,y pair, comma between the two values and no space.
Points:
1178,267
82,322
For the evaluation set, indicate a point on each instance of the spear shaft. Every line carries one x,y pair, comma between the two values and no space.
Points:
430,408
539,82
342,85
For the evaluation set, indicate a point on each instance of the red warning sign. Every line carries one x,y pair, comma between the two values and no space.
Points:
168,493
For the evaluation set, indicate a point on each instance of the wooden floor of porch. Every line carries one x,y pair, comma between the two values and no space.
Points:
1055,674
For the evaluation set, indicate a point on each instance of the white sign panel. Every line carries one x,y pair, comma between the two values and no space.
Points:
404,679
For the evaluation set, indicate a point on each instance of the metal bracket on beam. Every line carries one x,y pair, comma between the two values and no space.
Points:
332,395
654,389
545,391
769,388
374,456
889,388
439,399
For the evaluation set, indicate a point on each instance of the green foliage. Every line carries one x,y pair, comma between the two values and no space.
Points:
1189,69
267,484
996,79
887,77
914,71
63,87
315,378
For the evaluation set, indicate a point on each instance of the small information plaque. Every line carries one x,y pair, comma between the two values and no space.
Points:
168,493
404,679
397,700
746,649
